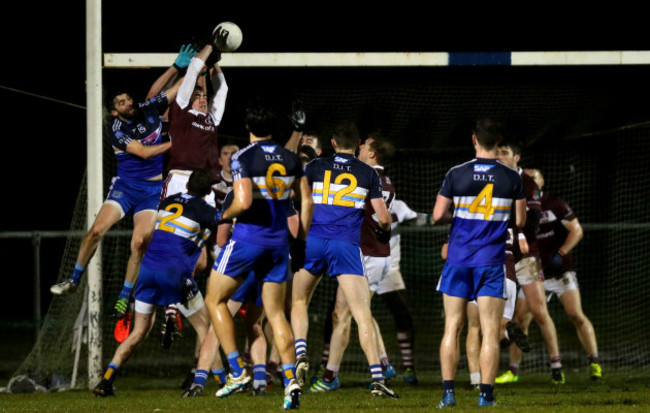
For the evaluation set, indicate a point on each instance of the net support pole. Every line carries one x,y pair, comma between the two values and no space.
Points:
94,181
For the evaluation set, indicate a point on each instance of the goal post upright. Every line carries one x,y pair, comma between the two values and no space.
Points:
95,191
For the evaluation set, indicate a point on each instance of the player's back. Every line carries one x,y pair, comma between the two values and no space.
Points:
340,185
272,170
183,225
483,191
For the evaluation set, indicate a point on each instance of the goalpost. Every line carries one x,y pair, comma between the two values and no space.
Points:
409,170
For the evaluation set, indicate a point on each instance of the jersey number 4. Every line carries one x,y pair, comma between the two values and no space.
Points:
480,207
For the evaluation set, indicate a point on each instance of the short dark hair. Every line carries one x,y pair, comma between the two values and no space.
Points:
346,135
200,183
307,153
261,117
109,98
381,146
513,144
488,132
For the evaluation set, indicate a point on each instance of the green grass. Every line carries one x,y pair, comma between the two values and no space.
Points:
534,393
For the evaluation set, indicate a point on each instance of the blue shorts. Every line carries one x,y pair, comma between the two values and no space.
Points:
249,291
238,259
472,282
134,196
336,256
158,286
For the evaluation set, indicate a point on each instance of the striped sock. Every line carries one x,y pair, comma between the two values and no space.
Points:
288,373
406,348
376,372
556,363
126,289
110,372
200,377
219,375
331,372
259,376
236,363
301,347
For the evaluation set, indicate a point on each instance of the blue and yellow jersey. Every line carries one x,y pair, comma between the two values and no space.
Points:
145,128
272,170
183,225
340,185
483,191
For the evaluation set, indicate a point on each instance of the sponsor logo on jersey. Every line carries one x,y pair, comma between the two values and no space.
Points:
234,164
268,148
482,168
338,159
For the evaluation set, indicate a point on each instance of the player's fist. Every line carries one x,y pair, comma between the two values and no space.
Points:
554,265
383,235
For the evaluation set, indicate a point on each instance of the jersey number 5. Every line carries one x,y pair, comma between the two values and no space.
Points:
478,207
338,195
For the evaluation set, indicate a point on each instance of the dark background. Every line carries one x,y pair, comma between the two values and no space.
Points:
44,55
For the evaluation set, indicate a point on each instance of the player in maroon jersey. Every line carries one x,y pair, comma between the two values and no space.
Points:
560,232
530,275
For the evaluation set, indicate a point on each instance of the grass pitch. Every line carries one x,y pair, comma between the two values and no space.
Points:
533,393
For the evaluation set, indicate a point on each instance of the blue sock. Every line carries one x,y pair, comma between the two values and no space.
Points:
288,373
376,372
236,363
259,375
126,290
301,347
219,375
448,387
200,377
110,372
76,274
487,392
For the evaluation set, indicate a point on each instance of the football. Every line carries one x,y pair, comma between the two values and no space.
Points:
227,36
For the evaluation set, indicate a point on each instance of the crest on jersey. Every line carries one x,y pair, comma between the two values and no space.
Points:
268,148
338,159
482,168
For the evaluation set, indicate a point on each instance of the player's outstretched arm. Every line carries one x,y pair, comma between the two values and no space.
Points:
171,74
147,151
441,207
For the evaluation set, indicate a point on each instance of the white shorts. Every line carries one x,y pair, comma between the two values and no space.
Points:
511,290
376,269
528,271
193,306
177,182
568,282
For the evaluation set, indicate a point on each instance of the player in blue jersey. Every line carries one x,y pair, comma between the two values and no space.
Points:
183,224
340,185
135,135
483,191
264,173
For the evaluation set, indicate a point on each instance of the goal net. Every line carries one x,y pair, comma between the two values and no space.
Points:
590,156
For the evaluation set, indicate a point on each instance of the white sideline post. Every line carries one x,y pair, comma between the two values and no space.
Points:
94,181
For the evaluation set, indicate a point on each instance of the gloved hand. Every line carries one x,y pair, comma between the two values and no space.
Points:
383,235
184,56
297,116
554,265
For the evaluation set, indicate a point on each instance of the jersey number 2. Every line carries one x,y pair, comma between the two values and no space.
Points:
178,211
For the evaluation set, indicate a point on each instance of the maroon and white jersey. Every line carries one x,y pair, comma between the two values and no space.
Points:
193,133
510,256
552,232
220,188
533,202
370,245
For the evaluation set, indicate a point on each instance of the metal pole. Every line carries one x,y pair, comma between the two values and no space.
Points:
36,243
94,182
